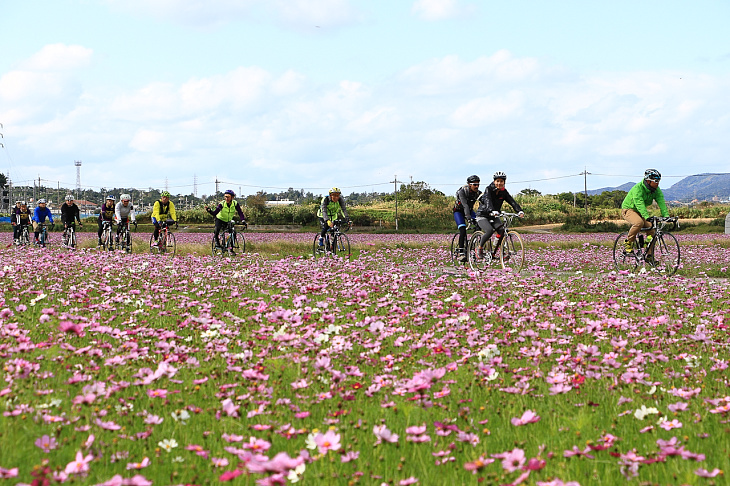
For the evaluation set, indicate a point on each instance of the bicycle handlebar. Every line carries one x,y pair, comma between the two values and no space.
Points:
664,221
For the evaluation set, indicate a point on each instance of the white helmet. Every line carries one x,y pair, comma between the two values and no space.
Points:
124,197
69,197
41,201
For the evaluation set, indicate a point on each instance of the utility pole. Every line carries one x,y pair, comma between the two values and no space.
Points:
395,182
216,185
585,174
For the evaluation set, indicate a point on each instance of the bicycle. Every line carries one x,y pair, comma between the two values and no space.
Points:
660,253
457,254
335,242
24,237
165,244
107,243
43,236
68,238
230,244
123,240
508,248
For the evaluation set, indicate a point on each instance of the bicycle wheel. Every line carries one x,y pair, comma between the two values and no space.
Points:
106,240
317,250
342,247
170,245
155,246
127,241
455,251
625,262
25,237
478,260
239,243
231,245
666,254
512,252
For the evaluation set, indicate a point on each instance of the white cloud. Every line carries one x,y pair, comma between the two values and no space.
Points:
316,13
440,9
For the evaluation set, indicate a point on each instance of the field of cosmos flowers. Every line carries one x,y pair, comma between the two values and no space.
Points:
391,368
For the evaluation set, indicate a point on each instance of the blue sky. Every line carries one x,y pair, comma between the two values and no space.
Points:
267,94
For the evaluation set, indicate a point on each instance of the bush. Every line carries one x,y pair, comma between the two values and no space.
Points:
581,223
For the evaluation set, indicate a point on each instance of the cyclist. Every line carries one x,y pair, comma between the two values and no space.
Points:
40,214
466,196
224,213
21,219
124,213
70,214
633,208
106,215
490,204
163,210
329,210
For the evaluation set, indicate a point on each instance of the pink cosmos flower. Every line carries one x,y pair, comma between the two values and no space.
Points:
512,460
107,425
257,445
230,475
232,438
79,465
349,456
46,443
704,473
8,473
219,462
478,465
139,465
383,434
529,417
158,393
669,425
327,441
405,482
153,420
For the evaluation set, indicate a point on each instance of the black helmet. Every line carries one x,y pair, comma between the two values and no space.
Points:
473,179
652,175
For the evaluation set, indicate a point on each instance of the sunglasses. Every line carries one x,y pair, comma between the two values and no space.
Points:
474,185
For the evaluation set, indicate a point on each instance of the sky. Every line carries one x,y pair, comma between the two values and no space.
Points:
310,94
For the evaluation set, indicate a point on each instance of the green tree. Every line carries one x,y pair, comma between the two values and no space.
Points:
529,192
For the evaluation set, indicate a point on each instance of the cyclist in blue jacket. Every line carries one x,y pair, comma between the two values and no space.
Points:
39,216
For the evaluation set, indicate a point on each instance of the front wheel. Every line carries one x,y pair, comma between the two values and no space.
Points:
479,258
154,245
512,253
666,254
320,250
169,244
127,242
342,247
625,261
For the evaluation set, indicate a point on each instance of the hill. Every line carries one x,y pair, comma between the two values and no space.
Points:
701,187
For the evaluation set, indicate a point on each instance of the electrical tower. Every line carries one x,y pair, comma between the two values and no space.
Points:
77,163
195,185
166,185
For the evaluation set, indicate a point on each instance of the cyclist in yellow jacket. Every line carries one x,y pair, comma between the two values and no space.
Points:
224,213
331,207
163,210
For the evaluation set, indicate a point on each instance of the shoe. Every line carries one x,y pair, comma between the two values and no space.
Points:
16,242
155,244
628,246
480,253
99,244
648,240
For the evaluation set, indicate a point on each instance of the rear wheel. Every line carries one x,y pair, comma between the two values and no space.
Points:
666,254
512,252
457,253
342,248
624,261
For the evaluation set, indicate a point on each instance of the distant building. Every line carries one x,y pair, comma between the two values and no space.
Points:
283,202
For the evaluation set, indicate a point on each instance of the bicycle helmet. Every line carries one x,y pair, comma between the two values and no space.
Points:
500,175
652,175
41,201
19,202
164,194
473,179
335,190
69,197
124,197
23,203
229,191
110,198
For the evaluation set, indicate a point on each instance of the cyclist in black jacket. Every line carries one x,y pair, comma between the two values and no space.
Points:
70,213
490,204
466,197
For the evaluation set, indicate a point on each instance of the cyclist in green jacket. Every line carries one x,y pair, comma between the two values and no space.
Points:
633,208
224,213
329,210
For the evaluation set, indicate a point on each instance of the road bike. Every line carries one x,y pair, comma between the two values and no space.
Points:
458,254
334,241
123,240
68,239
165,243
43,236
659,253
107,243
231,242
508,248
24,237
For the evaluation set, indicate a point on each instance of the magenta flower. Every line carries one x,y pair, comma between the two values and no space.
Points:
158,393
139,465
46,443
669,425
107,425
529,417
512,460
79,465
257,445
349,456
704,473
8,473
405,482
